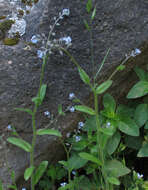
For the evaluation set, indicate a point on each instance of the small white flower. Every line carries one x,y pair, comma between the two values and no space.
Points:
71,96
77,138
65,12
135,52
67,40
24,189
9,127
80,125
139,175
72,109
40,54
47,113
63,184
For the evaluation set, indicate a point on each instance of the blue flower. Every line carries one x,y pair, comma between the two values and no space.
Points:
77,138
40,54
139,175
72,109
9,127
65,12
71,96
80,125
35,39
63,184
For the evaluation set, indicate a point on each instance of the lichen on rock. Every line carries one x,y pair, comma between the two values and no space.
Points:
11,41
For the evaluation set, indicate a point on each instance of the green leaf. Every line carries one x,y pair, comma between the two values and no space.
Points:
64,163
90,124
133,142
75,162
120,67
129,127
1,185
89,6
90,157
66,187
85,109
12,187
124,111
37,101
93,14
143,76
12,175
103,87
115,168
103,140
28,172
113,180
102,63
146,125
108,131
109,103
83,75
40,171
138,90
143,152
24,110
49,132
113,143
141,114
86,25
51,172
20,143
60,111
43,92
79,146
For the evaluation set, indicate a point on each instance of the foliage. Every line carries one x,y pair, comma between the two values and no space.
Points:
95,154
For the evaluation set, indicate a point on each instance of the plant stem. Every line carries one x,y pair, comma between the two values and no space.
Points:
67,156
33,145
116,70
100,151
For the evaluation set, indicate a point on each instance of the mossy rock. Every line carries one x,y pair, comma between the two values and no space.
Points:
6,25
2,17
26,2
10,41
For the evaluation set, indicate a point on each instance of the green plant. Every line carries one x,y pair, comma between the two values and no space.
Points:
32,172
96,150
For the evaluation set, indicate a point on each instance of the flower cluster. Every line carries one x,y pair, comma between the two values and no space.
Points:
50,44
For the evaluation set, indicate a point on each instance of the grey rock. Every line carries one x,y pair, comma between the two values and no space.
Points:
125,29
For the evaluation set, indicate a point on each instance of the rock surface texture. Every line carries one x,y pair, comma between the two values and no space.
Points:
120,25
